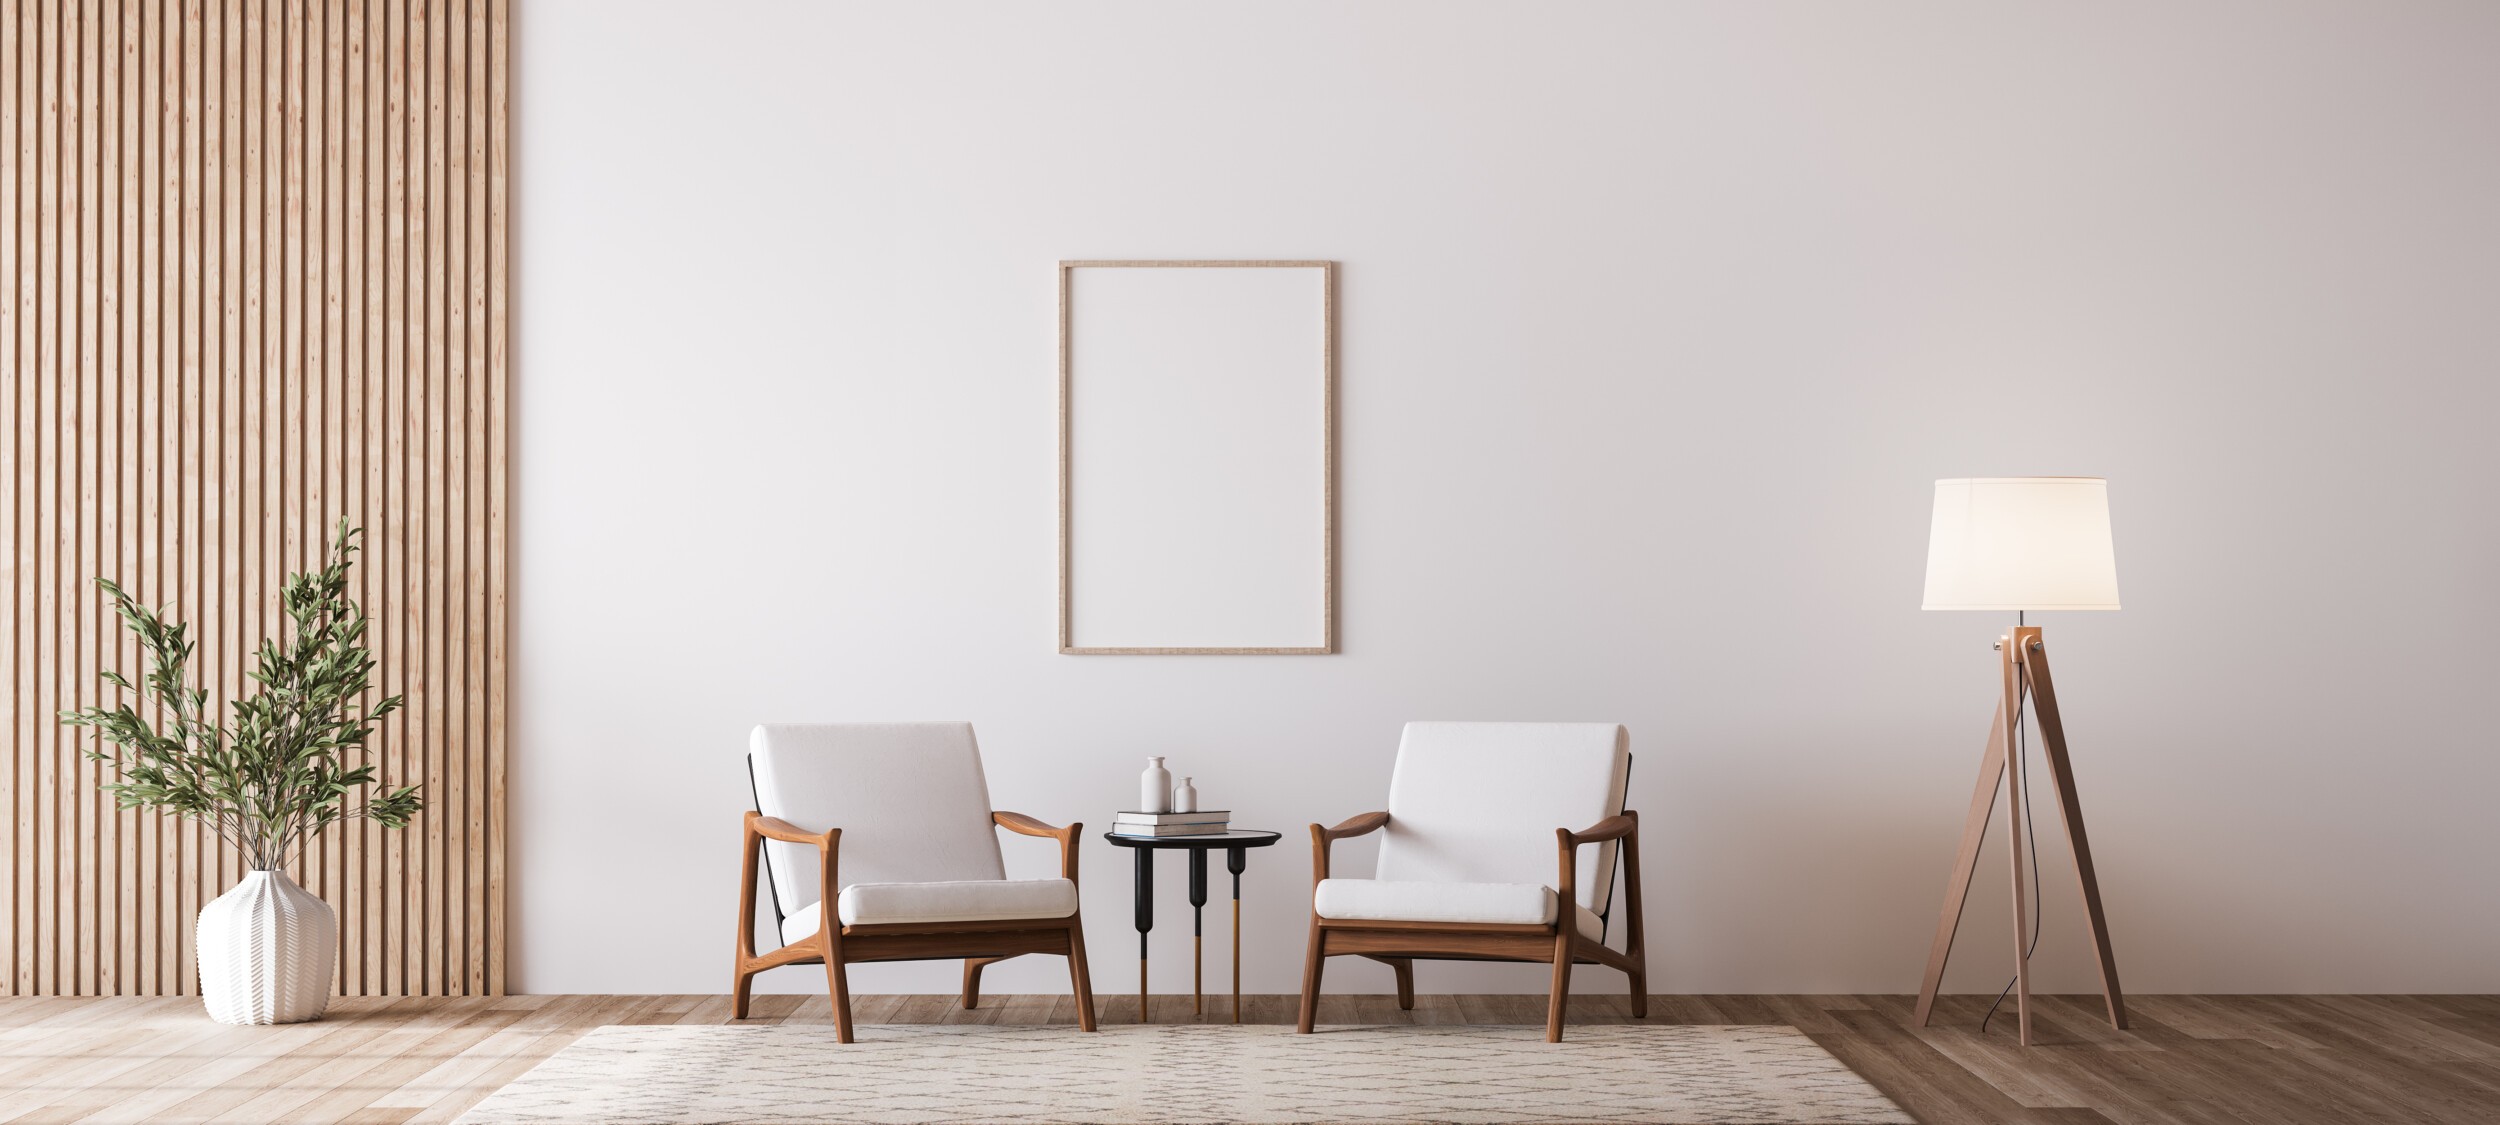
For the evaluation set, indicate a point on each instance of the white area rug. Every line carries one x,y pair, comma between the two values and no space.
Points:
1187,1075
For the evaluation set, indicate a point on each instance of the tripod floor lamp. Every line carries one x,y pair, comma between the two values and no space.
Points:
2022,543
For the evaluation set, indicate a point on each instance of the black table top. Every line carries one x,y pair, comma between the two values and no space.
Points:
1237,838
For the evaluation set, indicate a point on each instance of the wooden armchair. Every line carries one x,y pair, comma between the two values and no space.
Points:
908,860
1462,869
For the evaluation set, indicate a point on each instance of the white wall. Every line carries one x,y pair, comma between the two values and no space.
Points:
1658,320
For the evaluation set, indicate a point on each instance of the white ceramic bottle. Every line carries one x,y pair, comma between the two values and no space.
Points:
1154,788
1185,798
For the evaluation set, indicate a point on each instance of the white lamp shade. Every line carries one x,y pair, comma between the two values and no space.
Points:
2021,543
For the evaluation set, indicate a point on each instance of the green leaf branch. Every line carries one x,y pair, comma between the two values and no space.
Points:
277,775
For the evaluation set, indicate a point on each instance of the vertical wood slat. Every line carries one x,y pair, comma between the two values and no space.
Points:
11,443
395,430
255,263
365,262
41,466
498,274
85,422
17,114
13,313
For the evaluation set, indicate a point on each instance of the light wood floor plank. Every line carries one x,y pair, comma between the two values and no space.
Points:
2220,1060
108,1074
377,1076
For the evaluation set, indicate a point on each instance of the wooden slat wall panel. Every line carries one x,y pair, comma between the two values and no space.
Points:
255,262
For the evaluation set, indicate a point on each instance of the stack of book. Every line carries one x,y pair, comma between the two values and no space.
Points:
1171,823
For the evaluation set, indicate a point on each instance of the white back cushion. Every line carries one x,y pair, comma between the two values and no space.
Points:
909,798
1479,802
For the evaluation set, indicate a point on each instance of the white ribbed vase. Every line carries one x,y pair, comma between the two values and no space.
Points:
266,950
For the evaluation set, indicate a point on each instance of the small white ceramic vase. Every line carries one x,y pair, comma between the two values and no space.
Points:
1154,787
1185,798
266,949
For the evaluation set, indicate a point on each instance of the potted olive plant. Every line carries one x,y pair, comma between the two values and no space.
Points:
269,779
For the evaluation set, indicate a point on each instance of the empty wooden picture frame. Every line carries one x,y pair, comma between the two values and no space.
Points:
1197,457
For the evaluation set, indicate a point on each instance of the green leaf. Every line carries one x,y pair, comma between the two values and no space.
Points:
270,775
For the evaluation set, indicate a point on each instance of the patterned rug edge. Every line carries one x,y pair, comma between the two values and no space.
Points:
1183,1074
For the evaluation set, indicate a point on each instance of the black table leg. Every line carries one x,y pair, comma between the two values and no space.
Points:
1234,860
1197,931
1145,919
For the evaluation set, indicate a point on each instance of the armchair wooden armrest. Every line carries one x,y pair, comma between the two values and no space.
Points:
760,828
1624,826
1023,825
1321,838
1354,826
775,828
1612,828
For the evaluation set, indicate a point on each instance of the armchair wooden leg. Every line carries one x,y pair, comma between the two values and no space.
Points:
1562,984
742,952
1310,978
972,979
1405,969
839,983
1079,978
1636,930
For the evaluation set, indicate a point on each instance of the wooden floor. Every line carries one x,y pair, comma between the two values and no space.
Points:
2234,1060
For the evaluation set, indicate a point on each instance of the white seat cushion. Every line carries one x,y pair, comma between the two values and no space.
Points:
981,900
1391,900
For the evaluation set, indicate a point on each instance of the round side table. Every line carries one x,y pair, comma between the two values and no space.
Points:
1236,844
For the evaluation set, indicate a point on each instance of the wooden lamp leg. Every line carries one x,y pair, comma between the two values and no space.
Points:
2035,657
2024,665
1983,800
2012,707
